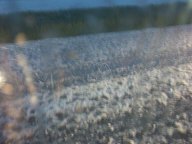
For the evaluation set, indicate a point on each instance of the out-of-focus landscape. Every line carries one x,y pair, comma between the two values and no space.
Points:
126,87
72,22
108,75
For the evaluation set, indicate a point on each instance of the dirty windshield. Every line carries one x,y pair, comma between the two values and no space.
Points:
95,72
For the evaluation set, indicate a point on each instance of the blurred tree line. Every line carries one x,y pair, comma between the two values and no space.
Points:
36,25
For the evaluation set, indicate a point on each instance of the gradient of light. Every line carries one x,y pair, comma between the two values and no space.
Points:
2,79
22,61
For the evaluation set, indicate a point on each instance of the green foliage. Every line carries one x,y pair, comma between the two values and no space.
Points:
74,22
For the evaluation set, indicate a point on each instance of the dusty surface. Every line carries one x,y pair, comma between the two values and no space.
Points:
131,87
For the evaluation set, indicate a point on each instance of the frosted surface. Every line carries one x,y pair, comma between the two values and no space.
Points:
132,87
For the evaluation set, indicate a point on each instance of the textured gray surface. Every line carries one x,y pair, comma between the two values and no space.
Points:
129,87
86,58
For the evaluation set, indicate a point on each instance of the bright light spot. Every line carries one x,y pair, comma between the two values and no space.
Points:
2,79
33,100
20,39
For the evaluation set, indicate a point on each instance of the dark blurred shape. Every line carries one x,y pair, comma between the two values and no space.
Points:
37,25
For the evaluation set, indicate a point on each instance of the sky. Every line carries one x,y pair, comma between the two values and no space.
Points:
7,6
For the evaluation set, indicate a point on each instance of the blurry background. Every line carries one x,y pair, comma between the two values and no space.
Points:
37,19
39,5
38,103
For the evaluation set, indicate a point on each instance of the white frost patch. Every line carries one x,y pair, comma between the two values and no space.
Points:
94,102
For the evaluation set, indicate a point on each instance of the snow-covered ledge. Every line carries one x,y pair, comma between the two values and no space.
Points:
106,88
